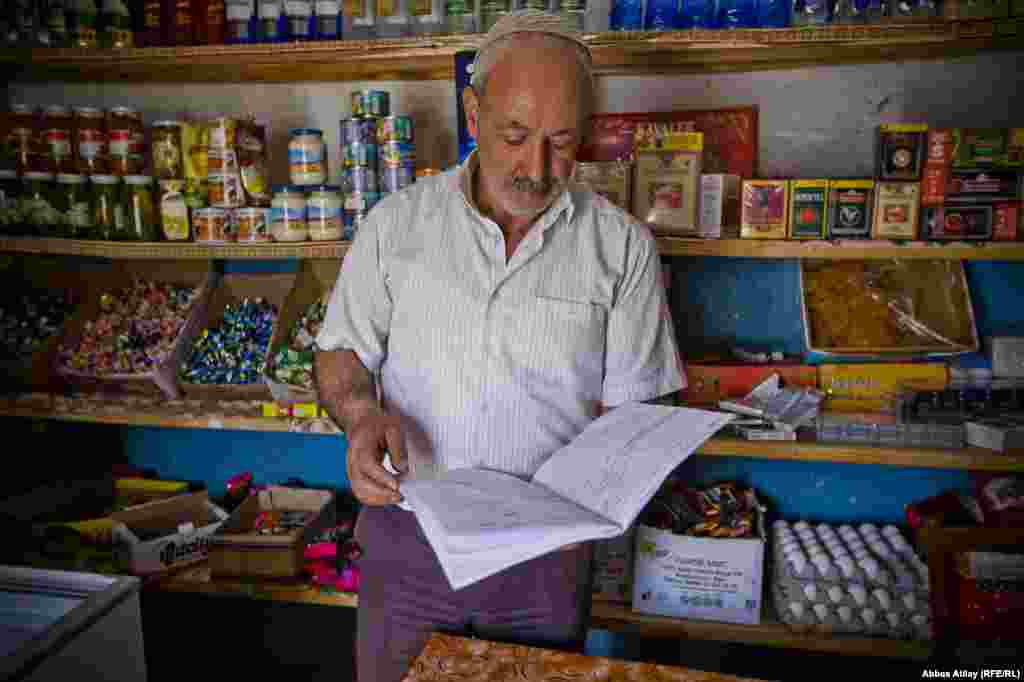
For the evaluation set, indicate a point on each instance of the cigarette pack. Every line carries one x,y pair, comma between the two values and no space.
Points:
1014,156
610,179
808,212
1006,221
719,205
765,209
667,183
978,147
900,151
982,186
849,208
896,210
956,223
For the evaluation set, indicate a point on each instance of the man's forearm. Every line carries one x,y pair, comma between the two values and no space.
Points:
345,387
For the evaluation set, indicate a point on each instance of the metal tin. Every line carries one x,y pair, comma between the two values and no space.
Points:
350,222
394,129
360,179
397,153
360,155
394,178
211,225
359,130
253,225
361,202
371,103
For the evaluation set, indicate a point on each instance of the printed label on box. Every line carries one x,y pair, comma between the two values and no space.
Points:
807,211
849,204
896,206
765,204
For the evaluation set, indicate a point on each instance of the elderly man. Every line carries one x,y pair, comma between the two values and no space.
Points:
481,319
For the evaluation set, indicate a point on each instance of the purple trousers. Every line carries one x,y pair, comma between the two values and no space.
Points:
404,597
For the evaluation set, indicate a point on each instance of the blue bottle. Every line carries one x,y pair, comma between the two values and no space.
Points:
736,14
661,15
810,12
696,14
773,13
627,15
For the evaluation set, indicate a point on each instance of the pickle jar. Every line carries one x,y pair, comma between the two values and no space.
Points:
74,204
166,146
108,213
143,223
10,194
37,207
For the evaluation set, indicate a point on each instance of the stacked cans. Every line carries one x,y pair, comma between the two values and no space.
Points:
377,152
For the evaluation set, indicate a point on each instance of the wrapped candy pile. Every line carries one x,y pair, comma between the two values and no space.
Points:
135,331
293,362
721,511
234,352
27,321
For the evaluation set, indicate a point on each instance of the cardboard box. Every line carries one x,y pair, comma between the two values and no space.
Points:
707,383
163,379
1014,156
704,578
1007,355
896,210
315,279
232,289
900,151
978,147
719,206
238,549
874,386
667,183
765,209
957,223
610,179
1001,435
1006,221
850,205
183,524
613,568
808,209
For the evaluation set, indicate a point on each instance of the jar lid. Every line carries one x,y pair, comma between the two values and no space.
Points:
325,188
8,175
105,179
56,109
35,175
88,111
167,124
307,131
70,178
138,180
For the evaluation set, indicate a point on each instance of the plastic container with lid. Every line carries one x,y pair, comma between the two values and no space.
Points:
10,195
108,213
211,225
300,19
58,124
37,205
242,22
288,214
270,21
307,157
73,200
323,213
90,140
327,24
126,141
253,225
165,143
142,223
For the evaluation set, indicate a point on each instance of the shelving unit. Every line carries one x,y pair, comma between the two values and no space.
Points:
689,51
164,250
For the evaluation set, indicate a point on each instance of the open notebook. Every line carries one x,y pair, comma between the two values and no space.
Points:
480,522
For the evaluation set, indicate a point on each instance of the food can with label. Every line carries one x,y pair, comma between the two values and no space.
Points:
397,154
225,190
211,225
371,103
394,178
360,179
356,154
394,129
253,225
307,157
359,130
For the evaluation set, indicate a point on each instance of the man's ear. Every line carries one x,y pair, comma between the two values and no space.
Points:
471,104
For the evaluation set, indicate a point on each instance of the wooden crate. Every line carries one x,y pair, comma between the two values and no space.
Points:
236,549
234,288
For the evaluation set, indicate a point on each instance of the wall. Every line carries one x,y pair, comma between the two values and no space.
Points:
813,122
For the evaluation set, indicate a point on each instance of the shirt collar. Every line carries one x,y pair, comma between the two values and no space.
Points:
464,181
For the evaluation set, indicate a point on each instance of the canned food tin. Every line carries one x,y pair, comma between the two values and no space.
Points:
211,225
394,129
371,103
253,225
359,130
397,154
361,202
360,155
225,190
360,179
394,178
350,221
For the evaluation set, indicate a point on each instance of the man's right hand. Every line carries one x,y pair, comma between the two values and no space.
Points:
368,440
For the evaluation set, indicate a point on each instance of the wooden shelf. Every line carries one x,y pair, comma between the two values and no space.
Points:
245,415
621,618
164,250
845,250
692,51
667,246
197,580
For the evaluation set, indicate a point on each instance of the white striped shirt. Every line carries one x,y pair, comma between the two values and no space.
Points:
498,365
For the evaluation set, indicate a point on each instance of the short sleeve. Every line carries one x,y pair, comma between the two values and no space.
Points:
358,316
642,360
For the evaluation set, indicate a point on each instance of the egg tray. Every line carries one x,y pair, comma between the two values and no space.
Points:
847,555
828,619
852,595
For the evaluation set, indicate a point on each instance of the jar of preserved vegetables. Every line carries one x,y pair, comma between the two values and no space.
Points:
37,205
108,214
143,224
10,194
74,204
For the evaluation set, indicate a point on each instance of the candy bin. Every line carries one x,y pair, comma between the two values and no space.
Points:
289,372
132,331
228,355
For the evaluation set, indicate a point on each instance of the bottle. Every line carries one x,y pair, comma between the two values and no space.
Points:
697,14
661,15
731,14
773,13
300,19
210,22
393,18
271,21
627,15
116,31
427,17
81,18
241,20
359,20
460,17
327,24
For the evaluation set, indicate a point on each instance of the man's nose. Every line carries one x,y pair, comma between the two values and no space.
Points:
538,163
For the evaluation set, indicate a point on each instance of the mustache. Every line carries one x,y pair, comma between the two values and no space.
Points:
531,186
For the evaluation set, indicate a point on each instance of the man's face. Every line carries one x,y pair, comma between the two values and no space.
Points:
527,127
